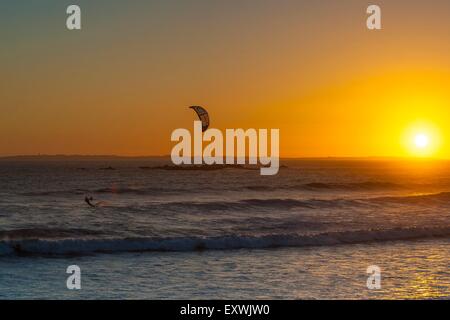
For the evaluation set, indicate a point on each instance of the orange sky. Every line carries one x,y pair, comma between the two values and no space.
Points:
124,82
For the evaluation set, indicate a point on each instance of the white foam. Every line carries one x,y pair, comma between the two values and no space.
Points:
79,247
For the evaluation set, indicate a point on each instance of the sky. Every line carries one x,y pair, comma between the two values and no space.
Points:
312,69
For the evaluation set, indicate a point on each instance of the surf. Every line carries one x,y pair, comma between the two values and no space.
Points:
52,247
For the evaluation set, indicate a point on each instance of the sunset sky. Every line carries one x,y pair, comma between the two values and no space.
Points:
124,82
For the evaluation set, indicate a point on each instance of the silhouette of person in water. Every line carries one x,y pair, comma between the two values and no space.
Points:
88,201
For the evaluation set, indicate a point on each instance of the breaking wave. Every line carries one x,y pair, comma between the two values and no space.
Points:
92,246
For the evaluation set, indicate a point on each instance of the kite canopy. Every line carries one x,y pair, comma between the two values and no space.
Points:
203,116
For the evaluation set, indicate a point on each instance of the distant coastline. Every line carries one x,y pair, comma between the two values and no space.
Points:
61,157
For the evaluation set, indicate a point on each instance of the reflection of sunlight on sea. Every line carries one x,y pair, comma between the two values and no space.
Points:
421,281
410,270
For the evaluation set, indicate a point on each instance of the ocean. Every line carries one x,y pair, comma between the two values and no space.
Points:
309,232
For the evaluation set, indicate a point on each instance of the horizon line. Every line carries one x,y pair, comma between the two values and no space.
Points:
36,156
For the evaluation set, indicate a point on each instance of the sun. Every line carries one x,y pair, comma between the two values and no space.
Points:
421,140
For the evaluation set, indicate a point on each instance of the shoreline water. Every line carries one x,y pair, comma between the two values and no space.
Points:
410,270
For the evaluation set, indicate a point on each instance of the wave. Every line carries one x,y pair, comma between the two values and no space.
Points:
321,186
56,193
47,233
424,199
273,203
367,185
137,191
442,199
106,190
241,204
92,246
312,186
289,203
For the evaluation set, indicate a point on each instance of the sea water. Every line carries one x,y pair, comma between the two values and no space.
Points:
309,232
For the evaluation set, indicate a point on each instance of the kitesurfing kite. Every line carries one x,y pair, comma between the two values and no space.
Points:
203,115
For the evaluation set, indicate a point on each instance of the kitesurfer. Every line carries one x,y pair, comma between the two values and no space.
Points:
88,201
